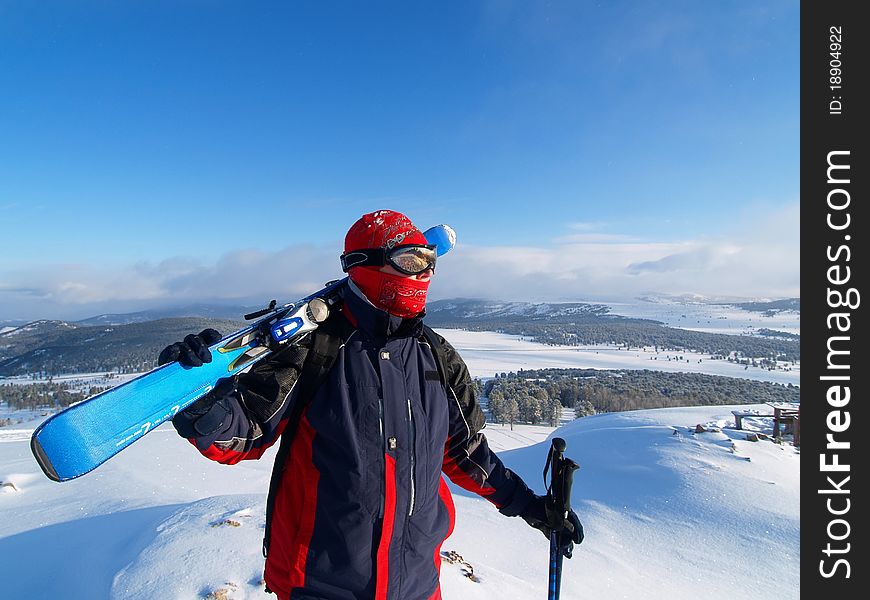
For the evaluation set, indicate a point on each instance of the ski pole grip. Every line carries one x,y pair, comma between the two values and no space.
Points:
554,461
561,477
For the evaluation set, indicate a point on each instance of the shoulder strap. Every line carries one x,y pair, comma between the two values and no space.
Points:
325,343
435,342
446,355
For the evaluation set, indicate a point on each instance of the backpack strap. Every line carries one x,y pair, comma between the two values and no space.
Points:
435,342
325,343
446,355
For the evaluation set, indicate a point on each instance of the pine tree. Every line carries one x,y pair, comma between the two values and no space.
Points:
553,411
512,411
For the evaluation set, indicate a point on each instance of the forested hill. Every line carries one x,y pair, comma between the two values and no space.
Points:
54,347
771,307
589,324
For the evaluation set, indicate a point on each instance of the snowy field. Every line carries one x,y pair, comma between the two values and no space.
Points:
669,514
488,353
710,318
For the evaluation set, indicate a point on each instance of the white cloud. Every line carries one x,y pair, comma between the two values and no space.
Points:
243,276
760,257
595,238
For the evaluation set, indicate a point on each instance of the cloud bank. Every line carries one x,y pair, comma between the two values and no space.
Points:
760,258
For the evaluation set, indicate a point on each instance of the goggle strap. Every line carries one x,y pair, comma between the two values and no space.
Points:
362,258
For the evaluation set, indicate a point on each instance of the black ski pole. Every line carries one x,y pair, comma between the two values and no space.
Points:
559,501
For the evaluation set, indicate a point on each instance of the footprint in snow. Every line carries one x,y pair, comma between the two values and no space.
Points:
226,522
224,593
454,558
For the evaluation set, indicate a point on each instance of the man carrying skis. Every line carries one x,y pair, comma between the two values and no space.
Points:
371,408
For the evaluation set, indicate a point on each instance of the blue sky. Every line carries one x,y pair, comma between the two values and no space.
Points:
582,150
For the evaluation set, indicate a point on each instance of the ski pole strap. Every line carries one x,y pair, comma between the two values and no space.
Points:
555,493
554,458
548,486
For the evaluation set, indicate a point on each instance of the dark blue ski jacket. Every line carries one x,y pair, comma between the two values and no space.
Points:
359,507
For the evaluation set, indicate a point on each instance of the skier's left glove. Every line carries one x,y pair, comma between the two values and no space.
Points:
540,515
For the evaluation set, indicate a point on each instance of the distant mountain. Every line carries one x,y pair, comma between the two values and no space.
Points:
31,336
753,305
484,310
9,324
210,311
674,299
771,307
38,327
131,342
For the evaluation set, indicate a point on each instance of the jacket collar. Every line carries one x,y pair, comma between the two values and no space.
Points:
376,323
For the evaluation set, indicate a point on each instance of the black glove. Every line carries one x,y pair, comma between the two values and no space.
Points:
208,414
193,351
541,515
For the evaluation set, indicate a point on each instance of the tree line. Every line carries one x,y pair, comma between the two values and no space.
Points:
537,396
44,395
517,401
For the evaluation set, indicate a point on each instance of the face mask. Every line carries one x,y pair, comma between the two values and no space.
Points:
400,296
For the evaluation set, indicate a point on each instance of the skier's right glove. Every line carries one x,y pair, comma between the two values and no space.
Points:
208,414
193,351
542,516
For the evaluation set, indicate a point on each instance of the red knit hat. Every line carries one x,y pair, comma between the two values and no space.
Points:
382,229
399,295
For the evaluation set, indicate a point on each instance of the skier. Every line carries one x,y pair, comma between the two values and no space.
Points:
373,407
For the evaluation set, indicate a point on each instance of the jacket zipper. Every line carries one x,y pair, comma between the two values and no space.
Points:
413,430
383,477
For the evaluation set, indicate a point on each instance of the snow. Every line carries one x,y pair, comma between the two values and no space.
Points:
488,353
669,514
709,318
666,515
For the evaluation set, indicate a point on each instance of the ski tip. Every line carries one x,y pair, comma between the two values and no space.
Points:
43,460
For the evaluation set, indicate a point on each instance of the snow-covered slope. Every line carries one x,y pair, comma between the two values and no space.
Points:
668,514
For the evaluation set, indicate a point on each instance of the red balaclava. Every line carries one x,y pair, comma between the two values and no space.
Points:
400,295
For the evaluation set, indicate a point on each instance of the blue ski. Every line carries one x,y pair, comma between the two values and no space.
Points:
80,438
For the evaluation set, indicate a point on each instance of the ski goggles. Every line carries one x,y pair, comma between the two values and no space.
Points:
410,260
